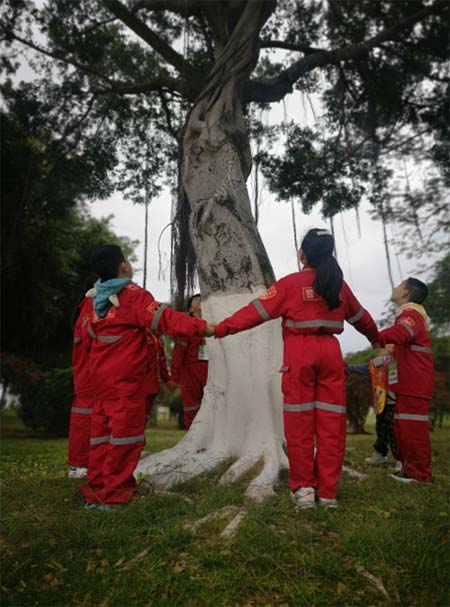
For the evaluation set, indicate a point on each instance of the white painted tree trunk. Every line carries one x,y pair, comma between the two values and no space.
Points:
241,412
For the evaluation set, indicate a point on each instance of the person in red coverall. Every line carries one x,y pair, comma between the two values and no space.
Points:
80,413
313,304
189,367
411,377
158,371
119,315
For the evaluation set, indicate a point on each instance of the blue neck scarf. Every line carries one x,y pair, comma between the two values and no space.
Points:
104,291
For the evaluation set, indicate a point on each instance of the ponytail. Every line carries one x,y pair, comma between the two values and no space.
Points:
318,246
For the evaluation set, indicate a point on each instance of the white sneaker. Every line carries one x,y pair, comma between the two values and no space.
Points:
398,466
402,478
328,502
304,497
75,472
376,459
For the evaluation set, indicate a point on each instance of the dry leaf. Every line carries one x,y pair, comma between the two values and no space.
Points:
120,562
180,567
48,578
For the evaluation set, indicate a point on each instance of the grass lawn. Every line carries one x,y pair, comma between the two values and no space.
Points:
56,553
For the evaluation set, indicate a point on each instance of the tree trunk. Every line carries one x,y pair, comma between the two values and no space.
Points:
241,413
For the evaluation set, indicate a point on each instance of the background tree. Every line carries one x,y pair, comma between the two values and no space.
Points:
345,53
46,236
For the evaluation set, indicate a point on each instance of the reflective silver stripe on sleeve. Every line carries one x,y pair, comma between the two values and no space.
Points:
328,407
411,417
193,408
422,349
258,305
98,440
76,340
298,408
408,328
127,440
157,316
91,332
357,316
109,339
304,324
80,410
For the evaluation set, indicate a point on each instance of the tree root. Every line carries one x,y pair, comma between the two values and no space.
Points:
230,529
354,473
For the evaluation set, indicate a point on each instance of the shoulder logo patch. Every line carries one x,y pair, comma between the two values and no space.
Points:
408,320
309,294
153,307
271,292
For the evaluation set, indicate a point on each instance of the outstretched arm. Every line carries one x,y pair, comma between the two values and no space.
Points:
263,308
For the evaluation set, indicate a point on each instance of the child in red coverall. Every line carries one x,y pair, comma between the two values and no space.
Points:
189,367
118,357
411,378
313,304
80,413
158,371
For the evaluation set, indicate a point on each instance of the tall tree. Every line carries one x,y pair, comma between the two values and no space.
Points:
135,49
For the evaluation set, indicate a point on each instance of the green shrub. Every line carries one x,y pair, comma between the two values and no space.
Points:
45,397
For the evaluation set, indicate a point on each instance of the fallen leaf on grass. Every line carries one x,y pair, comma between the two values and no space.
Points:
91,566
180,567
340,587
22,584
120,562
376,581
48,578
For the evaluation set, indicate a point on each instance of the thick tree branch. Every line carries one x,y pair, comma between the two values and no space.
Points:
301,48
276,88
185,8
157,43
164,82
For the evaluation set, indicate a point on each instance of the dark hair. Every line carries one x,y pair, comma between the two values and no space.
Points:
318,246
418,291
105,261
191,299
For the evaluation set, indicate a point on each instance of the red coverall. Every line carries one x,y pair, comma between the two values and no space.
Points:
412,379
313,382
119,363
158,370
83,402
189,369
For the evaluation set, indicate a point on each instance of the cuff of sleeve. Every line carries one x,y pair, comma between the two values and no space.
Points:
221,330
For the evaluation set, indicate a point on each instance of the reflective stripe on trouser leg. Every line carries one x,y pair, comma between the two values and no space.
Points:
331,419
98,449
79,432
127,440
331,427
413,436
299,432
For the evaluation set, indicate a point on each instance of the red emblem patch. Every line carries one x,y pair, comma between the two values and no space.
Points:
153,307
271,292
408,320
132,287
310,295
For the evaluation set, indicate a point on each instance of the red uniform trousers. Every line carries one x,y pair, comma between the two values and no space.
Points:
413,436
117,439
80,431
193,381
314,411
